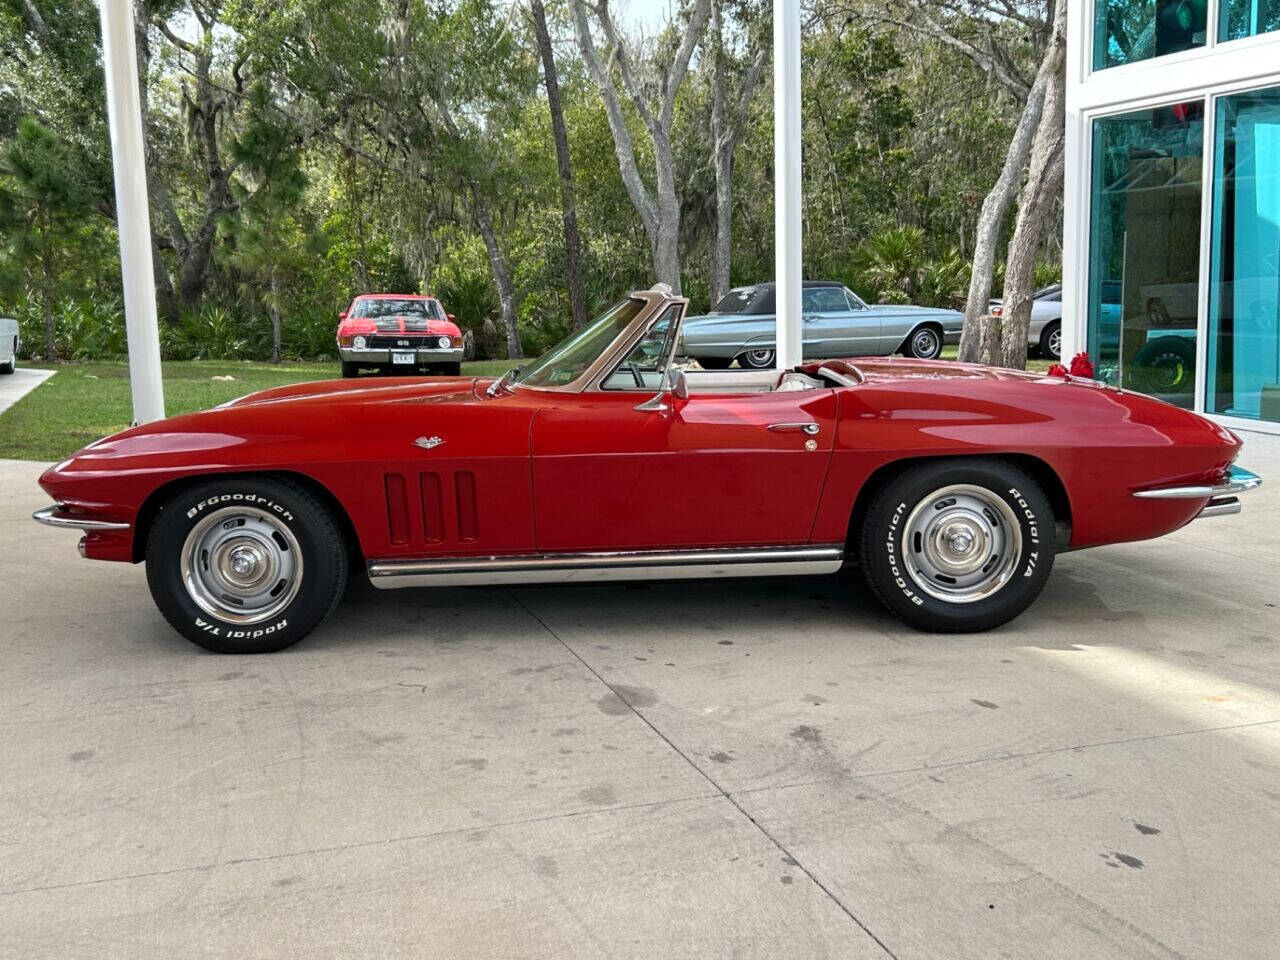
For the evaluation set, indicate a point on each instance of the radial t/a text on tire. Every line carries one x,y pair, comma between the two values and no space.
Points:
959,545
246,564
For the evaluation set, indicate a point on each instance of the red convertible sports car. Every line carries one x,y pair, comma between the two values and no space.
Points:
952,486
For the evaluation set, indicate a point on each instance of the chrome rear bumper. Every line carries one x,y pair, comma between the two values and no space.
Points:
1221,496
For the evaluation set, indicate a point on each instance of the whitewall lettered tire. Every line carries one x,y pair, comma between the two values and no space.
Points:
246,565
958,546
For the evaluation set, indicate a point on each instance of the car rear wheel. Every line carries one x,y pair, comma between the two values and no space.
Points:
958,546
245,565
925,343
1051,341
714,363
757,359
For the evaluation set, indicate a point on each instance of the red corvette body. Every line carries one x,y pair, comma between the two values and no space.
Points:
429,474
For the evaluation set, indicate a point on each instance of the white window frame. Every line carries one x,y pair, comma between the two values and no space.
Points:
1206,73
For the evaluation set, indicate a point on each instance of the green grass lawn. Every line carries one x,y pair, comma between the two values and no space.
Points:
85,401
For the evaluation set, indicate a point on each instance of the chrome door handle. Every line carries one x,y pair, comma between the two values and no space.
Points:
812,429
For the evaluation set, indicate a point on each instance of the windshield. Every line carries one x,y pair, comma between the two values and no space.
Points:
370,309
570,359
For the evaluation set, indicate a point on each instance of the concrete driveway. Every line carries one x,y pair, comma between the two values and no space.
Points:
16,385
735,769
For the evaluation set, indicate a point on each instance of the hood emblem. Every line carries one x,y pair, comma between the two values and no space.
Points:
428,443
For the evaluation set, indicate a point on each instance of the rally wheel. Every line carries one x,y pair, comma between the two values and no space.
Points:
246,565
958,546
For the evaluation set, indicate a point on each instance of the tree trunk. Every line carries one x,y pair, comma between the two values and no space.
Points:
661,214
1035,205
568,198
501,277
991,218
46,270
275,316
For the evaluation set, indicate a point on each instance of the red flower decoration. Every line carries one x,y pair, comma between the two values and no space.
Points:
1057,370
1081,366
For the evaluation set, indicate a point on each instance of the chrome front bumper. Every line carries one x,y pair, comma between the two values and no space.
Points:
57,516
380,356
1221,496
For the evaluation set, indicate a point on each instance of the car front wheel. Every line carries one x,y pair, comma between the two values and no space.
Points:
350,370
958,546
245,565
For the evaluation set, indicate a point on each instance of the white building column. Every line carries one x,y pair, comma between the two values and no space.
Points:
787,193
133,217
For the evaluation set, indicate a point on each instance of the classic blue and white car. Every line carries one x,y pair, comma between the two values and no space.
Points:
8,345
837,323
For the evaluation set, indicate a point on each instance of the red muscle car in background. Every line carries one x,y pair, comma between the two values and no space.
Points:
952,486
400,333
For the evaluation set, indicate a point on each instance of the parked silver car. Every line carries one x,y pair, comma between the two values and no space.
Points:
8,345
1044,333
837,323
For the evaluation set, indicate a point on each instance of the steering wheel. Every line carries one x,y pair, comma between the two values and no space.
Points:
635,374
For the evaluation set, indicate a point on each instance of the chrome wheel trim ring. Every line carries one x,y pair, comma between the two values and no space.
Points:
241,565
759,358
926,344
1055,344
962,543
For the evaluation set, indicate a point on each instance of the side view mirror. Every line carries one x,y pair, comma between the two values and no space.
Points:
452,318
342,315
673,385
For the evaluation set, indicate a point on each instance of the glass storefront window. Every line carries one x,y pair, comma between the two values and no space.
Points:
1247,18
1126,31
1144,249
1244,279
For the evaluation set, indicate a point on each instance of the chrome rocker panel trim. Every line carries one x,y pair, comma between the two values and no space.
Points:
1239,481
592,567
55,517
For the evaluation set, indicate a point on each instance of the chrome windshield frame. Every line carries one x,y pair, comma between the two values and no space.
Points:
656,302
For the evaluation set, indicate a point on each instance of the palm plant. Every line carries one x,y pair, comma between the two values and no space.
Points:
890,262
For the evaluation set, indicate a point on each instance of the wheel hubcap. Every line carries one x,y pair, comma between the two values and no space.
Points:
962,543
241,565
759,358
1055,343
926,344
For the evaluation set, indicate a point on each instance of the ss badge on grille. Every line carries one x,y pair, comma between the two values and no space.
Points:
428,443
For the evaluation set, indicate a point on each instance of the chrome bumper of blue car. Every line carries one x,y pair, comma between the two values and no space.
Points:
1221,496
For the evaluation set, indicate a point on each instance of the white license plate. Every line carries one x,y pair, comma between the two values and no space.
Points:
404,358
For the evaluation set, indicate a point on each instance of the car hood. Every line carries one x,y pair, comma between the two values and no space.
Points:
365,327
361,391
